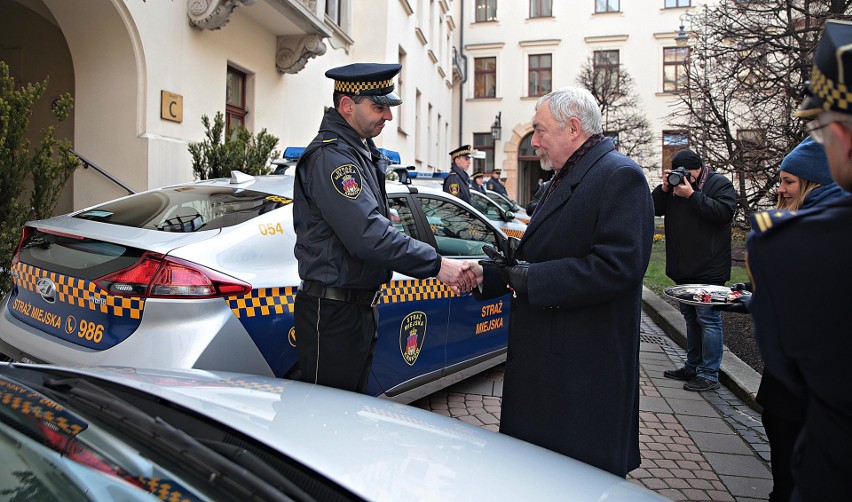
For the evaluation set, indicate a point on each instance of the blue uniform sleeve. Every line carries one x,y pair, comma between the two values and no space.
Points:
350,206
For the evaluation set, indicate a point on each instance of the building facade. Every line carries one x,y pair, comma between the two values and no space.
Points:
143,72
517,50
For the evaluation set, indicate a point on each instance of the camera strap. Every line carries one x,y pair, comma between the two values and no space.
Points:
702,177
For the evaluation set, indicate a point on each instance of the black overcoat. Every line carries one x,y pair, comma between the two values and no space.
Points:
572,372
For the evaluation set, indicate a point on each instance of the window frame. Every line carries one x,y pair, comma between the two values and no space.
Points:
606,7
538,6
483,142
233,111
480,75
606,69
484,11
678,4
669,150
684,63
537,71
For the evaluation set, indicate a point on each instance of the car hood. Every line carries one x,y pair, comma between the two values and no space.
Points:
376,448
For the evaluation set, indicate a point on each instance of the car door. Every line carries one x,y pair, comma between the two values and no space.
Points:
475,330
410,351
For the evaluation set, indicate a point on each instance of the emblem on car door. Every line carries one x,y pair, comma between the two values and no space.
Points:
47,289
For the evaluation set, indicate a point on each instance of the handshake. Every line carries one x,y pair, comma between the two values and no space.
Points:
460,275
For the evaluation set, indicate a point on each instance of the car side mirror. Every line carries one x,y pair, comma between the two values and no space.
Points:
509,216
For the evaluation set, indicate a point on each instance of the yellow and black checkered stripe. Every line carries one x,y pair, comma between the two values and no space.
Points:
166,489
459,153
835,95
359,87
264,301
513,233
79,292
268,301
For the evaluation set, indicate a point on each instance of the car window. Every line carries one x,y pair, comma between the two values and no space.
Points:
402,218
186,208
505,206
458,232
484,205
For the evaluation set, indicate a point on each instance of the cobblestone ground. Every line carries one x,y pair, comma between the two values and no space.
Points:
707,446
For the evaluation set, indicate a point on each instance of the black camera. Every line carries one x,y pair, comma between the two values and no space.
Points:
677,176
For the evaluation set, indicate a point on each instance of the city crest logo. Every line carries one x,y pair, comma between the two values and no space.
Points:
347,181
412,332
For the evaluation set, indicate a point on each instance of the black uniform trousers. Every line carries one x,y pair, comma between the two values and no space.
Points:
335,341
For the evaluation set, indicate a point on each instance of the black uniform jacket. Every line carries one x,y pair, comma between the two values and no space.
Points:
340,213
497,186
800,267
458,183
698,231
572,372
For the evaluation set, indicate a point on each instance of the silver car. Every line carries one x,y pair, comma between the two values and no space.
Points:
202,275
130,434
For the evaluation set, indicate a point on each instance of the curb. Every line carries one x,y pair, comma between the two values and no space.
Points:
737,376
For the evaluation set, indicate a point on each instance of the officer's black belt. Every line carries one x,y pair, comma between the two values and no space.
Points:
364,297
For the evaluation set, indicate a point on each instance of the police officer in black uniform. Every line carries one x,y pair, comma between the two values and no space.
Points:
801,268
345,244
495,185
477,183
457,182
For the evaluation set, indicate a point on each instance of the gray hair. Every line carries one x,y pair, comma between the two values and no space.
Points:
567,102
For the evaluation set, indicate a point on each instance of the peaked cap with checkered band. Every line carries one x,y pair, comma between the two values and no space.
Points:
374,80
830,88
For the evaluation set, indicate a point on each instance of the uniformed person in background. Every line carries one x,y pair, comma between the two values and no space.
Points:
800,268
495,185
345,245
457,182
478,184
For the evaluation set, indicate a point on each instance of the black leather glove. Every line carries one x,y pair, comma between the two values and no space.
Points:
516,277
496,258
741,286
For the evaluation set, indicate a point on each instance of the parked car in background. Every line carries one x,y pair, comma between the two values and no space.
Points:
202,275
133,434
508,205
502,218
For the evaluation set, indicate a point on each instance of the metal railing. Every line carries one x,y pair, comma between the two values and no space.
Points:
87,164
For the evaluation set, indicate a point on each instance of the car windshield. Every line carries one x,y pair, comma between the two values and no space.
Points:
186,208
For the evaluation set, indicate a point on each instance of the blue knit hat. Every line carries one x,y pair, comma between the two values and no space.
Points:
808,161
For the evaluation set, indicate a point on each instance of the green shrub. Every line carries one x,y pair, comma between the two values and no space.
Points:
240,151
31,176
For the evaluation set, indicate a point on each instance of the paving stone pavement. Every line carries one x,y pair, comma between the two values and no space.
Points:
694,446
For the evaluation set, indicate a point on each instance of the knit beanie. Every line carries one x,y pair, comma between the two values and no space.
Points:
686,158
808,161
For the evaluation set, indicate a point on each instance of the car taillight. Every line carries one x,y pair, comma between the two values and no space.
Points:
156,276
25,233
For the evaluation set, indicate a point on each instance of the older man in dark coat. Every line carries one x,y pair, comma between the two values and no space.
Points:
572,373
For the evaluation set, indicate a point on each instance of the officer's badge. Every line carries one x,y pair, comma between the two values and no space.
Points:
412,332
454,188
347,181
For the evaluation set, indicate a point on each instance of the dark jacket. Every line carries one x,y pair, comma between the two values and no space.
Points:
340,214
496,185
458,183
533,203
802,328
698,231
572,371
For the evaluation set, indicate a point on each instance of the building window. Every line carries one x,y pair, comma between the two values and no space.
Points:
486,10
235,99
541,8
672,142
606,71
675,68
485,78
607,6
671,4
540,74
485,143
753,145
332,10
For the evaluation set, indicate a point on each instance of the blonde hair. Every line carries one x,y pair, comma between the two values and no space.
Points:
805,187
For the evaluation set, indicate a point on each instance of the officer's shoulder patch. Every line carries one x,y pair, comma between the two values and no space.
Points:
766,221
454,188
347,181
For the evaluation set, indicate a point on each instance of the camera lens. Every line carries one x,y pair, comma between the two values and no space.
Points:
675,178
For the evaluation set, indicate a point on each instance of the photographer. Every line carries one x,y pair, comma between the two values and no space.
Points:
698,205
